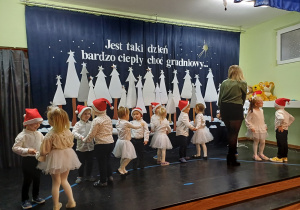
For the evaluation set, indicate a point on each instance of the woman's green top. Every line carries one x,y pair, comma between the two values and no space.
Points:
232,91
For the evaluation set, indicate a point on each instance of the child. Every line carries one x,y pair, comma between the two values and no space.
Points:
155,106
139,137
101,130
57,145
282,121
160,140
182,129
202,135
257,129
27,144
84,150
124,149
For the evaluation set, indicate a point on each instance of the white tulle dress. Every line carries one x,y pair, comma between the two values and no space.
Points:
160,139
202,135
255,120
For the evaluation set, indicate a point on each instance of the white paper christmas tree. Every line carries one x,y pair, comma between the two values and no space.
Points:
84,85
91,95
187,86
218,93
140,100
210,91
123,98
59,98
176,93
149,88
131,94
194,97
101,89
198,85
72,80
157,94
163,89
171,107
115,86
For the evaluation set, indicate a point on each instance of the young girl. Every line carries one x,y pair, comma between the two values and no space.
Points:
61,158
124,149
84,151
160,140
257,129
202,135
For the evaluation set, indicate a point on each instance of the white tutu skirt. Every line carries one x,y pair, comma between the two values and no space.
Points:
124,149
161,141
257,135
202,136
59,161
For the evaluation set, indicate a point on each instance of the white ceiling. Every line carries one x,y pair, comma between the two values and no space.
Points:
243,14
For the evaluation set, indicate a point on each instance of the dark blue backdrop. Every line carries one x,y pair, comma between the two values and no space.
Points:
51,33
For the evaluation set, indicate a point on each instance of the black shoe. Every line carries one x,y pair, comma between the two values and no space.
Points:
110,179
99,184
204,158
231,160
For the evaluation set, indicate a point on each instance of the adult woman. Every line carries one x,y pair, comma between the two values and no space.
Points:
231,100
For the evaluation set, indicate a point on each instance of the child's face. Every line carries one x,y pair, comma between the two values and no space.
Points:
33,126
187,110
136,115
259,103
156,110
86,115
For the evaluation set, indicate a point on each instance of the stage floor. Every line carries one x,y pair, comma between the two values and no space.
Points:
156,186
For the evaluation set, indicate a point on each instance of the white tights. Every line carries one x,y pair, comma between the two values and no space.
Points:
198,148
261,146
123,163
161,155
57,180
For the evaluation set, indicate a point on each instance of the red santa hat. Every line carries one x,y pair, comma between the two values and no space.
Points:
137,109
99,105
182,105
281,102
155,105
81,109
32,116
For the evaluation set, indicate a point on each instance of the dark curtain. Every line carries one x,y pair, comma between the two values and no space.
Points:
15,97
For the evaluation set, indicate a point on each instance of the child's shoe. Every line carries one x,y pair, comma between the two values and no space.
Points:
38,200
257,158
110,179
99,184
262,156
91,179
276,159
165,163
205,158
196,157
155,157
158,162
182,160
78,180
26,205
71,204
57,207
285,159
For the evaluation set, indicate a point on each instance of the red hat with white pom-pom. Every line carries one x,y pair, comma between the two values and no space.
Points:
99,105
182,105
32,116
155,105
137,109
81,109
281,102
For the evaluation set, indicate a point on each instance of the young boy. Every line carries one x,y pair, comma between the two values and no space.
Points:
139,137
85,151
27,144
182,129
282,121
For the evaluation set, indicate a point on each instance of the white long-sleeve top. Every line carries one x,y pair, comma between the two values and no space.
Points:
256,120
101,130
162,126
283,118
81,130
124,129
142,132
27,140
199,121
183,125
154,119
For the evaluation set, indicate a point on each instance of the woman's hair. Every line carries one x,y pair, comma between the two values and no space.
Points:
252,102
122,111
58,118
235,73
199,108
162,112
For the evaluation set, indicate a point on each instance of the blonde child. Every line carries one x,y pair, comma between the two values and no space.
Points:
155,117
257,128
84,151
27,144
60,157
182,129
160,139
202,135
282,122
139,137
124,149
101,131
